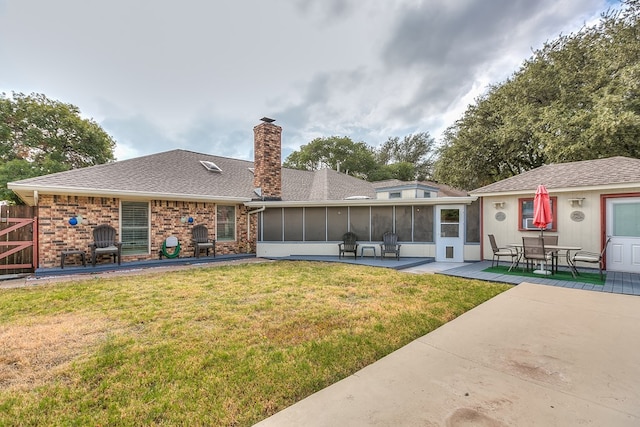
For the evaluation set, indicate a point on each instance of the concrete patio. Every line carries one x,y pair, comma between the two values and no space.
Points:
531,356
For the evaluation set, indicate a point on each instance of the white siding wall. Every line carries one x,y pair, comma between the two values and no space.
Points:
419,250
585,234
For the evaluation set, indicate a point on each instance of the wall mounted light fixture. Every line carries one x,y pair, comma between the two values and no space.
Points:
498,205
576,201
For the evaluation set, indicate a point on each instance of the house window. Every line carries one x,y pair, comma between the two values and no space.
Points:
395,195
225,223
525,207
134,227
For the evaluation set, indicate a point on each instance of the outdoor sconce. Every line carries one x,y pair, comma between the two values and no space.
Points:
498,205
576,201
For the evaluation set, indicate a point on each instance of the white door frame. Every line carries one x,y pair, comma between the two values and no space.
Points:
623,253
450,248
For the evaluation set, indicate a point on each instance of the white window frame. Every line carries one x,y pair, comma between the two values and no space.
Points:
218,224
124,230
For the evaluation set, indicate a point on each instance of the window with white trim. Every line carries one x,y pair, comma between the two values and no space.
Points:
225,223
134,227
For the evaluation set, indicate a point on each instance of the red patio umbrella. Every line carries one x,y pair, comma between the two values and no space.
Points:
542,215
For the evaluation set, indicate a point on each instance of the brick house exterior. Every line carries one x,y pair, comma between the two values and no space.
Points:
55,234
150,198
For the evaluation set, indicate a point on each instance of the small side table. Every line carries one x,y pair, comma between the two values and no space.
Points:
67,252
369,248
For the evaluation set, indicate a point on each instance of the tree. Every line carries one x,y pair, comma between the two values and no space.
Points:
577,98
403,171
414,149
338,153
39,136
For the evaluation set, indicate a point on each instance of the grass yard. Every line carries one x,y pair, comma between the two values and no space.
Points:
226,345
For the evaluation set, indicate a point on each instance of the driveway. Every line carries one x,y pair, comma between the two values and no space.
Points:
532,356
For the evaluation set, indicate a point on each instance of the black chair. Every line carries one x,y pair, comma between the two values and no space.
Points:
104,243
590,257
349,244
390,245
200,239
502,252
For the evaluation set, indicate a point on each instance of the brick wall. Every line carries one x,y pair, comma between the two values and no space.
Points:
56,234
267,147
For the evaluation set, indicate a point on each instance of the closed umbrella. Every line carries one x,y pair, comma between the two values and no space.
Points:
542,215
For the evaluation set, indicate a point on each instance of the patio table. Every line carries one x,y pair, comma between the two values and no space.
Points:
66,252
367,247
554,248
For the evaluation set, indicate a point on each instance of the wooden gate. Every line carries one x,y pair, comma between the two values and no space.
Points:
18,239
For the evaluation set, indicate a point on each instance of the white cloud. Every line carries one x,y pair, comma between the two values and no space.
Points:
159,75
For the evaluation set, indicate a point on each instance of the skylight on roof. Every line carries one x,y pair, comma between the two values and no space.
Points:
210,166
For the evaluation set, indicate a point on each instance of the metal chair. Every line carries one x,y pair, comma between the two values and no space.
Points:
104,243
503,252
533,250
552,241
590,257
390,245
349,244
200,239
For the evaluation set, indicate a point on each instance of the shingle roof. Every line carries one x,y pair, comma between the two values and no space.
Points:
587,173
170,172
179,172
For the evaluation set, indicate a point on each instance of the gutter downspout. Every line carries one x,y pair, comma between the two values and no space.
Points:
249,213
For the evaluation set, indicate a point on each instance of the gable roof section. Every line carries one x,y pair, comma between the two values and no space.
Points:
610,172
172,173
179,175
331,185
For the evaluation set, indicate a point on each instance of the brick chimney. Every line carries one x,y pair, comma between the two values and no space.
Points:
267,148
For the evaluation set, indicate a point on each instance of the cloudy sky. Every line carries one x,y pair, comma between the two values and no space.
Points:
199,74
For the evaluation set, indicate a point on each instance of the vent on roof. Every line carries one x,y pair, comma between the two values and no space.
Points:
210,166
357,198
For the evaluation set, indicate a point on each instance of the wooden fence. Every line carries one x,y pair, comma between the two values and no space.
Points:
18,239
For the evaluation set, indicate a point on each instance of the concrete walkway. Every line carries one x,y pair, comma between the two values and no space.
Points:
532,356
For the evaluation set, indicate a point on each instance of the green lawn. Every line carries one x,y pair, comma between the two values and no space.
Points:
225,345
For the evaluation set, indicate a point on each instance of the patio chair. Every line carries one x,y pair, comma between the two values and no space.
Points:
590,257
200,239
552,241
503,252
390,245
349,244
533,250
104,243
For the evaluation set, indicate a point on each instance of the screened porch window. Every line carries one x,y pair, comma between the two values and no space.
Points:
225,223
134,228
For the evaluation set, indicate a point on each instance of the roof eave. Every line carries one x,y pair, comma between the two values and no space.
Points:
365,202
26,193
601,188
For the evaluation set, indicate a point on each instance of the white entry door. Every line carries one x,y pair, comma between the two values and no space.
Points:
623,225
450,233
